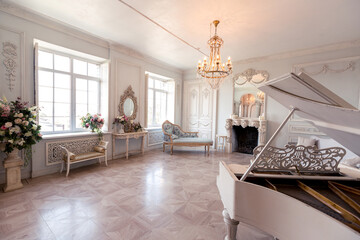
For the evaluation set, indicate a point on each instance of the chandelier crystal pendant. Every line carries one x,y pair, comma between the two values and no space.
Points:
213,70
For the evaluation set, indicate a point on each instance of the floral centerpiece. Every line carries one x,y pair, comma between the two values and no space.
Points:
121,119
94,122
18,128
126,124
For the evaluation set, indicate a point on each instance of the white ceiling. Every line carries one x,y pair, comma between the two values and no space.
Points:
249,28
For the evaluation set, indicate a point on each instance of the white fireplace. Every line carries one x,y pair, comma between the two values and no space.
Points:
259,124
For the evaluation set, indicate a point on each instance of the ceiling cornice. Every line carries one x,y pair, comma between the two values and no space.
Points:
303,52
69,30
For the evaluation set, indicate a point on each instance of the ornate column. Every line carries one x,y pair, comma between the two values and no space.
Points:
228,127
262,132
12,165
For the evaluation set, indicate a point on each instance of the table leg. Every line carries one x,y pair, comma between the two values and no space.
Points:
142,145
113,147
127,148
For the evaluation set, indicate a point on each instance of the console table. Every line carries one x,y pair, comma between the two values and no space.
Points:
127,136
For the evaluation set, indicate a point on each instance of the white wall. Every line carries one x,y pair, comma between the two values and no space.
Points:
345,84
127,67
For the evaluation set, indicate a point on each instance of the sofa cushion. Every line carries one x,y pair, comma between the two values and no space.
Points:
174,136
168,128
193,140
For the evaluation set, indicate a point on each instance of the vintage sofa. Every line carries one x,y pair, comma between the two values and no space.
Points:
175,136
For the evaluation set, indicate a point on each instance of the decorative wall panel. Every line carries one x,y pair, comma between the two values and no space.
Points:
11,62
155,138
54,153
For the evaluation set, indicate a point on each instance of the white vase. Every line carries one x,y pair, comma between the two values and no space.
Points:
120,128
12,165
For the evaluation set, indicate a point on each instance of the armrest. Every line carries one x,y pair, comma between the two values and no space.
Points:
102,147
167,135
69,155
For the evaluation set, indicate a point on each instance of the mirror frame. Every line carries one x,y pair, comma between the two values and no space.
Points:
128,93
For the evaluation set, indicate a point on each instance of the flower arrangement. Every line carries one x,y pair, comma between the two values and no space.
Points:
136,126
129,125
94,122
18,128
121,119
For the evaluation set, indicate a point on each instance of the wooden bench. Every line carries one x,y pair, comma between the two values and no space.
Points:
99,151
175,136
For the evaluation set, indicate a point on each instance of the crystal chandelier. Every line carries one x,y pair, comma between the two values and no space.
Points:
213,71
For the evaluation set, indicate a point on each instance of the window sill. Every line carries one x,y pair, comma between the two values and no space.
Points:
152,129
73,134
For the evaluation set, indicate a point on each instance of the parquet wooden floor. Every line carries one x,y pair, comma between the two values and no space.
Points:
155,196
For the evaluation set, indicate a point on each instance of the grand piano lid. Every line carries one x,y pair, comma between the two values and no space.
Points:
318,105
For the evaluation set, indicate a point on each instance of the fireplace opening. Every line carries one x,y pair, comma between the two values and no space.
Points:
245,139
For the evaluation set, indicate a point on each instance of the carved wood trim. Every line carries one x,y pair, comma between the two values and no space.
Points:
248,75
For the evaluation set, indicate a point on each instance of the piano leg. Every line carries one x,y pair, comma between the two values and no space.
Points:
231,226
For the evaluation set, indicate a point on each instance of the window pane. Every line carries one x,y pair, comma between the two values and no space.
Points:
93,70
46,124
160,106
93,108
80,67
62,123
46,109
62,80
45,78
62,95
151,83
81,84
158,84
45,60
93,93
62,109
81,110
150,107
62,63
45,94
81,97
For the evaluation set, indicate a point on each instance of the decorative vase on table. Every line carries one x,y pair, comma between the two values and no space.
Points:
120,128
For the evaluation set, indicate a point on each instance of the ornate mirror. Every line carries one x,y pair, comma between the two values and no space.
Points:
128,104
249,102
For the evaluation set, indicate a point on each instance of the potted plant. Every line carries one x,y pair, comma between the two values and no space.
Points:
18,130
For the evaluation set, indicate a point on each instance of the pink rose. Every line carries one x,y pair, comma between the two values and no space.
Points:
3,127
99,120
95,116
87,125
40,135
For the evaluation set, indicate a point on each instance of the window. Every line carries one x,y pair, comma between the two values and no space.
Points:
161,100
69,87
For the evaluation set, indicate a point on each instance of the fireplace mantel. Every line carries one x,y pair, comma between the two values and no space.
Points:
260,125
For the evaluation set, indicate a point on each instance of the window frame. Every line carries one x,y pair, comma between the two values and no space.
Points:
73,77
155,90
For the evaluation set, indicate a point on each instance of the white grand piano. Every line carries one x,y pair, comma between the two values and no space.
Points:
302,196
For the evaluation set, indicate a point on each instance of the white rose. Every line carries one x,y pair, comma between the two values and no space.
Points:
17,121
2,133
34,127
28,134
8,124
10,141
17,129
20,115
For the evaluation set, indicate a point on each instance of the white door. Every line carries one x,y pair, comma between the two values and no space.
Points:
199,108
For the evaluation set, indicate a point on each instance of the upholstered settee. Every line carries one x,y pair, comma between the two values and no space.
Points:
175,136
